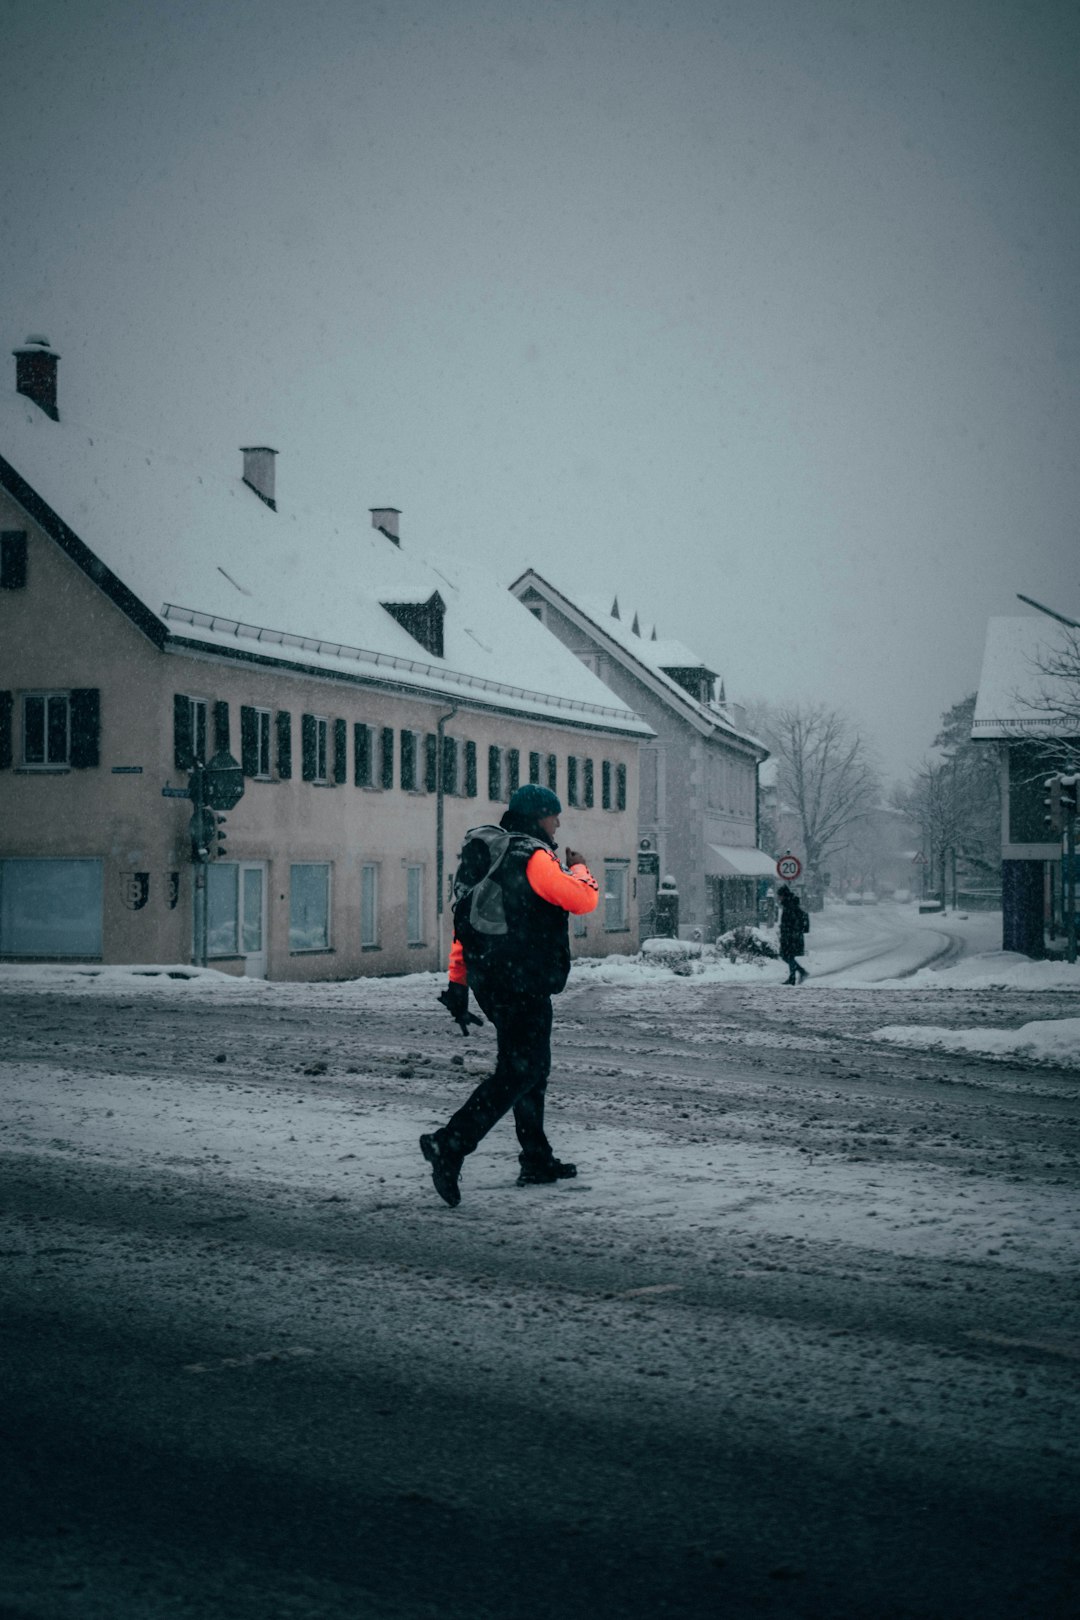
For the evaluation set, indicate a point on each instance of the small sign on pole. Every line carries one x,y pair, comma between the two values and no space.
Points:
788,868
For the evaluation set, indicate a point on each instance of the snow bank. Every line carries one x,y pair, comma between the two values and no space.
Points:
992,970
1048,1040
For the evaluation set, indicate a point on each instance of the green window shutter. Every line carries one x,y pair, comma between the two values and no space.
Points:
571,779
283,723
308,748
534,767
431,762
588,784
13,560
6,705
85,727
387,761
513,771
449,765
605,784
408,761
249,740
183,736
620,787
341,752
221,726
552,773
361,755
494,772
470,770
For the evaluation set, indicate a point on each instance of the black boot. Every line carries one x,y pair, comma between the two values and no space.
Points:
541,1172
445,1167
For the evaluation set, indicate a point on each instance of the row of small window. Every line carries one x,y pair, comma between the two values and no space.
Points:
60,730
324,745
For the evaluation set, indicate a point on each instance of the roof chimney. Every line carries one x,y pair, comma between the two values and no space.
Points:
35,373
385,519
259,472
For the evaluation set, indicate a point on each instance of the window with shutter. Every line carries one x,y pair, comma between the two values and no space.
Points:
431,762
189,731
284,744
513,771
262,738
450,765
7,703
387,762
534,767
341,752
571,780
553,773
605,784
13,560
221,726
471,787
362,762
494,772
249,740
620,787
408,761
308,746
588,794
85,727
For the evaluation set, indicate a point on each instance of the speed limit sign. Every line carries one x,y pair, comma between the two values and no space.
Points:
788,867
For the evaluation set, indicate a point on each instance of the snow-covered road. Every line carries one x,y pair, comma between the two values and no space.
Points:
801,1339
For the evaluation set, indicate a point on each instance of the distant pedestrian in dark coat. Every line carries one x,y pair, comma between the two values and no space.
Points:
794,925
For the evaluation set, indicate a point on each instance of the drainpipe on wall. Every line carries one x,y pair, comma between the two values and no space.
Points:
439,841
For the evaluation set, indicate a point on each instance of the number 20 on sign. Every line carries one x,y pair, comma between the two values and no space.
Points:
788,867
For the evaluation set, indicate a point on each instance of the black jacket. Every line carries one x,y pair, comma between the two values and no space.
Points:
533,955
793,925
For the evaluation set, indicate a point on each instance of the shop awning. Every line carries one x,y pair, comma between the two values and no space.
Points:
727,860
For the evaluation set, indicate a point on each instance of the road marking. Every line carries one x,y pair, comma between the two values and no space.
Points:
292,1353
654,1288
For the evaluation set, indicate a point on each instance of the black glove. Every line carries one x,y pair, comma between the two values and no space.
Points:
455,998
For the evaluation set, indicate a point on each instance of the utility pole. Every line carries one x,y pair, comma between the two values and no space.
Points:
440,859
1069,787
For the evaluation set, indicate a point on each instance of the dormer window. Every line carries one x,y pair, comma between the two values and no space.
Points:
423,621
694,679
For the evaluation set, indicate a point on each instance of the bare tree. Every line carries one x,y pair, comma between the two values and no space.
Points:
956,801
826,775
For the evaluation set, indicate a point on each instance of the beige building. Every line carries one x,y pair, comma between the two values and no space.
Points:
153,613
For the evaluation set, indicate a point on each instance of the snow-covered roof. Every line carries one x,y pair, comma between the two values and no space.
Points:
656,657
1015,695
211,562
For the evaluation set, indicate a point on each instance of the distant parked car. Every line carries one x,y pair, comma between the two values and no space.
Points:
869,898
852,898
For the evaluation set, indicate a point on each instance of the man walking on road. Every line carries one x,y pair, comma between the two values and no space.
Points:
511,947
794,924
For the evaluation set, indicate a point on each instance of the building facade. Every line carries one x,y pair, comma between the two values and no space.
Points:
698,794
153,616
1020,712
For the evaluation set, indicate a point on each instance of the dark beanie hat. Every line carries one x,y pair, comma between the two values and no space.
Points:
533,802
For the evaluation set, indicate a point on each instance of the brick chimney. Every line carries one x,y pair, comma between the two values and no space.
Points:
35,373
385,519
259,472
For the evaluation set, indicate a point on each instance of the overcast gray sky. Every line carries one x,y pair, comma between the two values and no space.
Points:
761,313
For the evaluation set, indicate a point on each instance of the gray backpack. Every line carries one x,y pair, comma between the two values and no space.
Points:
478,898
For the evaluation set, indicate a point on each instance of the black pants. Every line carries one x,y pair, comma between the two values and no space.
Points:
519,1081
792,966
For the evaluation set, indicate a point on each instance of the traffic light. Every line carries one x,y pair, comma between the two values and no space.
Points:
201,828
1067,786
220,851
1052,799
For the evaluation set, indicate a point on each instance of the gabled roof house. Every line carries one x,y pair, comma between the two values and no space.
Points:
154,612
698,805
